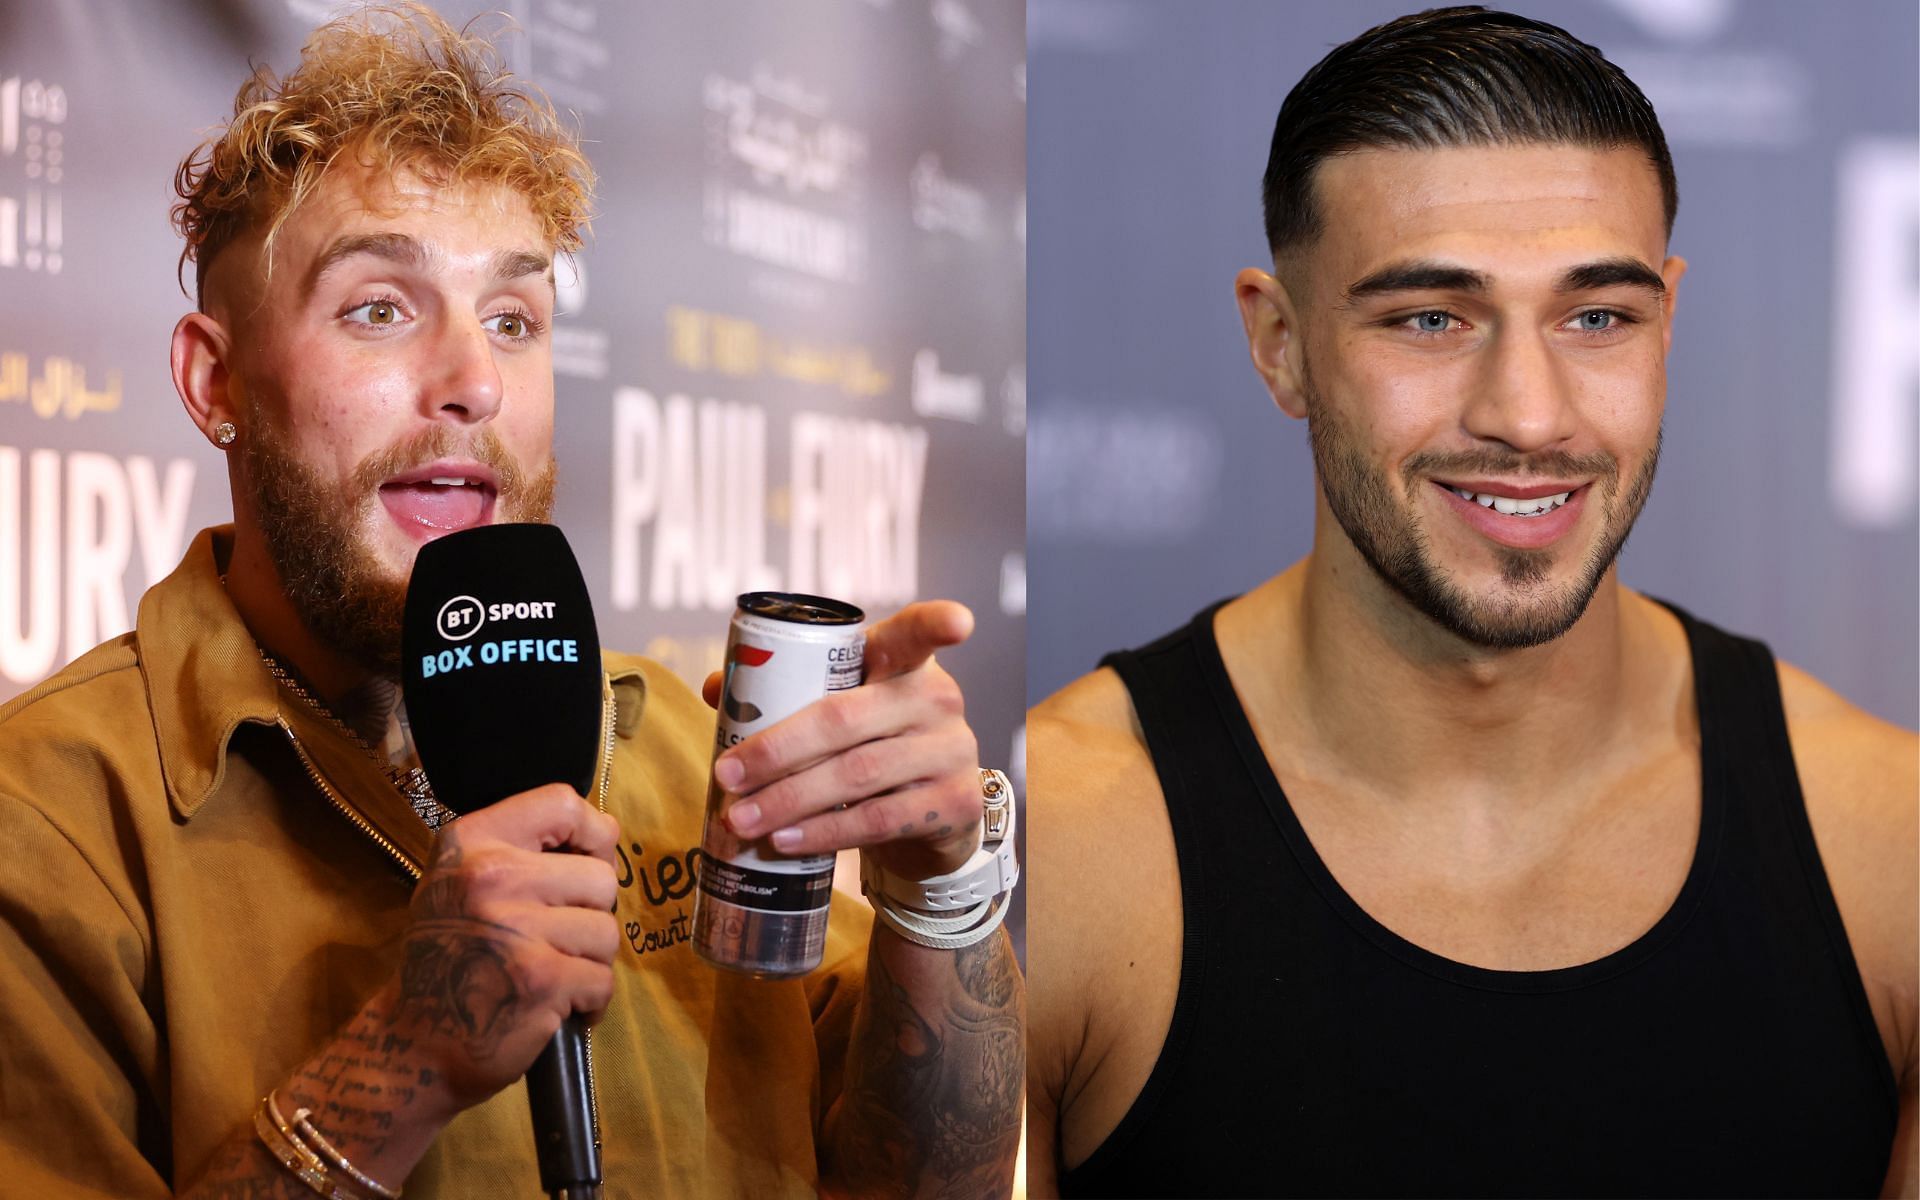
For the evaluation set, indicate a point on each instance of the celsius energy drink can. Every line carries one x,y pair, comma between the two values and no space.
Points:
760,911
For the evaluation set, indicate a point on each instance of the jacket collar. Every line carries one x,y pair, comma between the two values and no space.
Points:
203,671
205,678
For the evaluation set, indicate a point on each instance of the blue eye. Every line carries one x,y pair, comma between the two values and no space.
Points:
1431,322
1597,321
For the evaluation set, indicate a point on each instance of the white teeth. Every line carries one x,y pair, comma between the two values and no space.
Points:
448,481
1509,506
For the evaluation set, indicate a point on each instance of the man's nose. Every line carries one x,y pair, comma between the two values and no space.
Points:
463,379
1525,395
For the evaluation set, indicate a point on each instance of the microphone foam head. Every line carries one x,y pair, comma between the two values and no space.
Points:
501,664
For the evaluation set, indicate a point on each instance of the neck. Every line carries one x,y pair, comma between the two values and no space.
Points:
1374,691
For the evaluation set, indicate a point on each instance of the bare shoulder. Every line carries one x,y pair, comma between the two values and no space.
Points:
1862,772
1095,798
1091,738
1861,779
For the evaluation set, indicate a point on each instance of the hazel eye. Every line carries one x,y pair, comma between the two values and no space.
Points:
515,326
375,312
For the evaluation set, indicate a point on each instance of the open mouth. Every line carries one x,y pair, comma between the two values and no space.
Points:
1512,506
440,499
1521,517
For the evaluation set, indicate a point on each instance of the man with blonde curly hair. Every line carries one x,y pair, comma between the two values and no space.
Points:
244,951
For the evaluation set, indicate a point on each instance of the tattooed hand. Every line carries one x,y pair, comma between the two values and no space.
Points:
507,940
896,752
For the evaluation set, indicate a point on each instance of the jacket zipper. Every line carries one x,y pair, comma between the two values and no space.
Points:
346,810
413,870
607,713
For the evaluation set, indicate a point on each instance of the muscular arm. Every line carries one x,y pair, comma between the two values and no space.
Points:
1105,922
1861,780
931,1105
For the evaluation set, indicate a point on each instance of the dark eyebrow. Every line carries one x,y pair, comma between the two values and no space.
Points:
1418,276
1434,276
1612,272
395,247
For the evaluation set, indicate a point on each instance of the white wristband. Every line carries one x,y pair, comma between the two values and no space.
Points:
992,871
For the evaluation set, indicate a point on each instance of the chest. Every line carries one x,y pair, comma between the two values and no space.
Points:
1521,884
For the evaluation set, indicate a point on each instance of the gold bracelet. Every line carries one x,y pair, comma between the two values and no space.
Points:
338,1159
287,1152
300,1159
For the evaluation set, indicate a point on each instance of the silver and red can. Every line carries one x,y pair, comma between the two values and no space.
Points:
760,911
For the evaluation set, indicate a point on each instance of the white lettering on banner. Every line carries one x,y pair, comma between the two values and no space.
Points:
778,129
31,231
697,473
956,397
27,657
854,528
787,236
941,203
776,159
99,543
109,506
1876,359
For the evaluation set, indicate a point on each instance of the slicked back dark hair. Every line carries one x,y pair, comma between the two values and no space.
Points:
1464,76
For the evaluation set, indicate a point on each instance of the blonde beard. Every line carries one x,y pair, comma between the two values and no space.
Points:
337,584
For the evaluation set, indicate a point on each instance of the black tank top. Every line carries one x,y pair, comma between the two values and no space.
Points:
1729,1051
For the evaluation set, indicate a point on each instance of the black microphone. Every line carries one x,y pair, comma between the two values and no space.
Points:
501,679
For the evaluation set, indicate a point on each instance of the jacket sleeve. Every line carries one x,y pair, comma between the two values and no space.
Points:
81,1110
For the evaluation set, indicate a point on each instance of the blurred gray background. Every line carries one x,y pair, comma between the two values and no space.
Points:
1162,478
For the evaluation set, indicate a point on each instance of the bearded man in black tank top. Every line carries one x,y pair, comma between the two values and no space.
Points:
1441,863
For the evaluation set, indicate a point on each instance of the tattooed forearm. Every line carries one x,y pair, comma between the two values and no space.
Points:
368,1090
373,1091
934,1076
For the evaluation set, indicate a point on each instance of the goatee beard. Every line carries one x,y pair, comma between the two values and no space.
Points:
340,590
1390,539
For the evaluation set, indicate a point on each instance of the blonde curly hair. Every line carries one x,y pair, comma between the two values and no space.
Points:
397,86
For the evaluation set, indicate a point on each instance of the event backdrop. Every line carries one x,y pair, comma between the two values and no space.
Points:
1161,477
792,355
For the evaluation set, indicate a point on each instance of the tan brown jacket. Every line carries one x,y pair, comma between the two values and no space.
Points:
200,880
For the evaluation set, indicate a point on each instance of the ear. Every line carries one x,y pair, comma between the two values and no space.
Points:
1266,311
201,372
1671,272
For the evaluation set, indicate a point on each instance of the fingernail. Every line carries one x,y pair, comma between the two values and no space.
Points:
743,816
785,839
729,772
